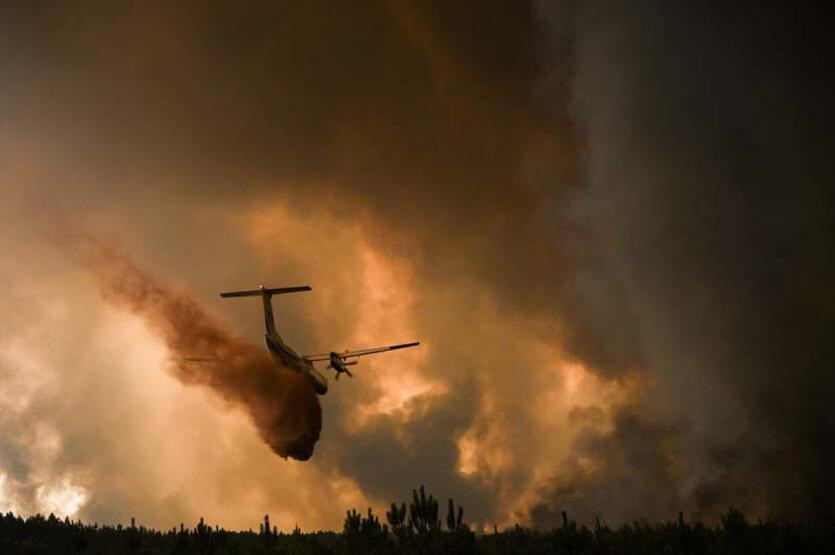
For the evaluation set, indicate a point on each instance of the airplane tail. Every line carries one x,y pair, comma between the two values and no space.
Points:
266,293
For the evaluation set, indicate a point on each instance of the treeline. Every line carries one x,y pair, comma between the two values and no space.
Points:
417,527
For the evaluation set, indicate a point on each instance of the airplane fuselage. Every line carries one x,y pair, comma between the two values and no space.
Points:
284,354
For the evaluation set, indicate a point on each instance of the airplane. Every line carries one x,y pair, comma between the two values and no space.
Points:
284,354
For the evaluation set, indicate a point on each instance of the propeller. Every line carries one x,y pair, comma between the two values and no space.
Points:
342,363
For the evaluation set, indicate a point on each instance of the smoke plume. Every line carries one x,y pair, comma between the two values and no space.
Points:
708,203
283,407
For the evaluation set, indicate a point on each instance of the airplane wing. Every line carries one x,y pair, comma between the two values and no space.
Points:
363,352
315,358
349,354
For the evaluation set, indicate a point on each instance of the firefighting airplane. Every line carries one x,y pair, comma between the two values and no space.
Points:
284,354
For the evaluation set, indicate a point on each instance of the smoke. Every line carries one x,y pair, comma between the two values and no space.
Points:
655,209
283,407
708,205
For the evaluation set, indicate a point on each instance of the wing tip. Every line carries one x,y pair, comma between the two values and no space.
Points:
404,345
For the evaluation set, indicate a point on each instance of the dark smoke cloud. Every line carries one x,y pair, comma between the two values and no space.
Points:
633,471
283,407
709,204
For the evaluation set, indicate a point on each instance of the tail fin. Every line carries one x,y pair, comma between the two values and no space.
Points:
267,294
265,291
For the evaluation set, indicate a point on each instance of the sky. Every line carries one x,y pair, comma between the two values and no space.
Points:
608,224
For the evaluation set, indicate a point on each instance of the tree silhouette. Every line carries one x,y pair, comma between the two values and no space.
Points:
415,528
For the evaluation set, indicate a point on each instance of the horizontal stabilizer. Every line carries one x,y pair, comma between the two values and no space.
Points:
265,291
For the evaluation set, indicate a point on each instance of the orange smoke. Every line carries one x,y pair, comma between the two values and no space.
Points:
283,407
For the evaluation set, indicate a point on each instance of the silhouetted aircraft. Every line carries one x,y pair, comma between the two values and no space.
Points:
284,354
